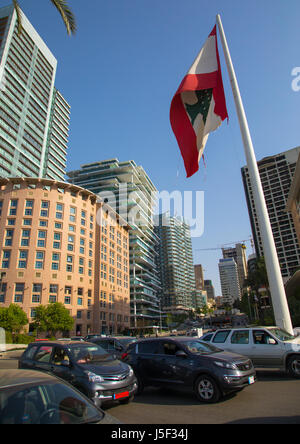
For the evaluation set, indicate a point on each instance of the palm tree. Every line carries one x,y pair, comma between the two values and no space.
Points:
62,7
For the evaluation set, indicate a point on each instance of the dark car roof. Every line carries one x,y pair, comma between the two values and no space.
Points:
68,343
169,338
22,377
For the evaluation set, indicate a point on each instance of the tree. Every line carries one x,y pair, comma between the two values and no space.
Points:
53,318
258,278
294,306
13,319
63,9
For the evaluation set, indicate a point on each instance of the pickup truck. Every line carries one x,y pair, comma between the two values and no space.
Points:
267,347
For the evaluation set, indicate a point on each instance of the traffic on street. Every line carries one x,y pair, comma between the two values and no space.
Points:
176,381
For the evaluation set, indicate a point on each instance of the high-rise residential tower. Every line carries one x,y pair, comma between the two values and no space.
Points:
238,253
34,116
199,277
209,288
276,174
175,263
128,189
229,281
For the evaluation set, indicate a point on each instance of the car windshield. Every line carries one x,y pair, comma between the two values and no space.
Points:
87,353
201,347
282,335
46,403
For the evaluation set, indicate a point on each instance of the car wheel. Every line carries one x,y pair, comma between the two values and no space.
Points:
293,366
207,390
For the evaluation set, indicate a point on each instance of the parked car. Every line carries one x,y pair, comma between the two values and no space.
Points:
90,336
267,347
189,364
114,345
87,366
31,397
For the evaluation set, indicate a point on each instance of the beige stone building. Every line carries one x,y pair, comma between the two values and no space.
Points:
54,249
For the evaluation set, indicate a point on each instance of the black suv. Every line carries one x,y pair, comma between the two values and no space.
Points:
87,366
187,363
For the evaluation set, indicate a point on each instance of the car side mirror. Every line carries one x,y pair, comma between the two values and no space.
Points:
180,354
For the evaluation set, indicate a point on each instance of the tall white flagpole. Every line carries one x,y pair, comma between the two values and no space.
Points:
280,305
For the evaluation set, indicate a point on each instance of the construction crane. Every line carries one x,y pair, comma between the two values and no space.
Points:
229,243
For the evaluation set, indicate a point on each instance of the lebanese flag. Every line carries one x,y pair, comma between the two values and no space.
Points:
199,105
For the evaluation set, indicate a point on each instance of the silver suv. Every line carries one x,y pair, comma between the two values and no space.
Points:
267,347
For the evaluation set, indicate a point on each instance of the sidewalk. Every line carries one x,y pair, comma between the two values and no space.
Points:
13,351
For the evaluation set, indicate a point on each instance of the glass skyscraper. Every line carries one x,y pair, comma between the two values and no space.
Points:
34,116
134,195
175,263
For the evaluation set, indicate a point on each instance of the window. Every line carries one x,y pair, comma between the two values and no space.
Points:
13,207
59,356
19,293
170,348
149,347
25,238
6,259
40,255
221,336
23,259
36,293
3,288
53,293
240,337
9,238
44,354
261,337
68,290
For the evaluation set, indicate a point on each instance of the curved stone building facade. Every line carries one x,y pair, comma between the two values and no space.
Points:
50,246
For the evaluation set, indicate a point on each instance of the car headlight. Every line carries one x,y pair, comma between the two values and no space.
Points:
131,372
93,377
225,365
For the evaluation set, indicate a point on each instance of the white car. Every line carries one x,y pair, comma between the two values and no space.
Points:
267,347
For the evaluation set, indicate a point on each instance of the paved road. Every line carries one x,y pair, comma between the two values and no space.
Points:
273,399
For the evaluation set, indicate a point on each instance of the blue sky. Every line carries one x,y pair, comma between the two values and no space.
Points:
121,70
